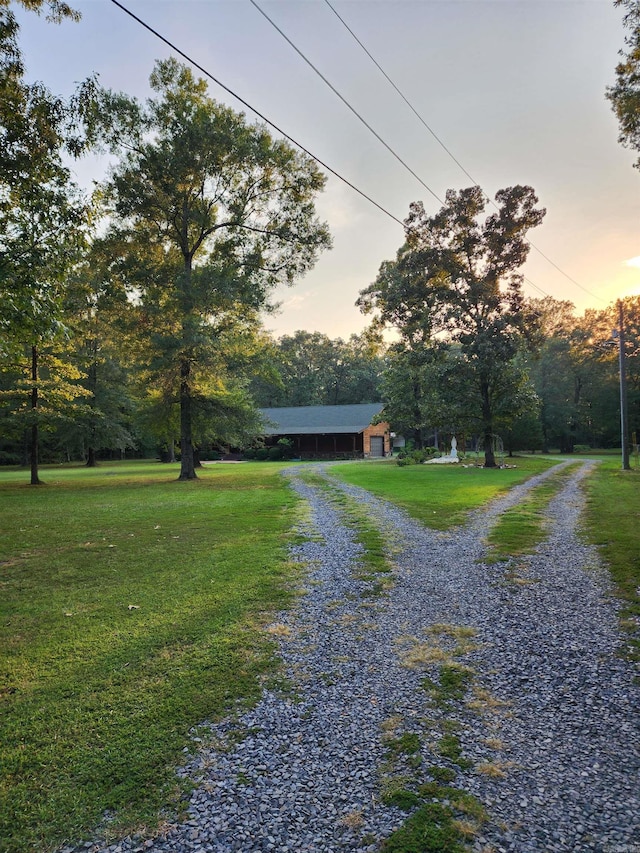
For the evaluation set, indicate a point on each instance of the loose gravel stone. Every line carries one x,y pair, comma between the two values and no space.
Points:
550,735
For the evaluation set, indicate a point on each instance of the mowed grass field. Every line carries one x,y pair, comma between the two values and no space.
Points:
129,613
439,496
131,608
612,523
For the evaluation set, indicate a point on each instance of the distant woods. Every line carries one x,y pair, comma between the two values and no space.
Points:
311,369
102,400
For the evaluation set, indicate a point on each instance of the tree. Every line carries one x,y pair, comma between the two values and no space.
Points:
41,222
227,210
556,373
100,318
311,369
625,93
57,8
454,288
601,347
409,392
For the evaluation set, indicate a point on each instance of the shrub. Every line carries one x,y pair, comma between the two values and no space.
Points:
286,448
416,457
262,454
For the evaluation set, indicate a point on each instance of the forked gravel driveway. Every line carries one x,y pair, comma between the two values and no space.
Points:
549,733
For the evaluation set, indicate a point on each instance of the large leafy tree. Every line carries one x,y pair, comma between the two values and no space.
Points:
221,210
575,373
409,390
101,321
455,288
601,342
41,224
625,93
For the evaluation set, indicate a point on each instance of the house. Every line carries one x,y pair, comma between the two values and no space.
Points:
329,431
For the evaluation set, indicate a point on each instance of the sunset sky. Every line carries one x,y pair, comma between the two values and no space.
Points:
515,91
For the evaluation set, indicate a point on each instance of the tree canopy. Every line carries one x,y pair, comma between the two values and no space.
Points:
209,214
42,226
455,291
625,92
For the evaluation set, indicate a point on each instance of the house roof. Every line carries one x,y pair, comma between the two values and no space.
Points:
319,420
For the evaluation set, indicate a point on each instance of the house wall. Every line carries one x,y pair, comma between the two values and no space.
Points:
326,444
377,429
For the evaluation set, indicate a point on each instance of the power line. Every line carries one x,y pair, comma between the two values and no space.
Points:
368,126
535,286
346,103
271,124
256,112
566,275
449,152
402,95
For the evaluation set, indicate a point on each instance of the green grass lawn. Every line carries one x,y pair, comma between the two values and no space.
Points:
613,524
520,529
128,608
439,496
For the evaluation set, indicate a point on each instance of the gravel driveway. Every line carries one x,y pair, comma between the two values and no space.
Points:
547,730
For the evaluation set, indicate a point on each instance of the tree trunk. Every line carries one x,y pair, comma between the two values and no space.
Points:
24,455
487,426
35,479
93,384
417,414
489,455
187,467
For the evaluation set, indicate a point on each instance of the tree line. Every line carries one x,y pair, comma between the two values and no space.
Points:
474,357
132,320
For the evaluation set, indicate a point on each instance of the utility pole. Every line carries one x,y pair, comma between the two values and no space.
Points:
624,426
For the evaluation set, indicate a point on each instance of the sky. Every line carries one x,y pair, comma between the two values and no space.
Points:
515,90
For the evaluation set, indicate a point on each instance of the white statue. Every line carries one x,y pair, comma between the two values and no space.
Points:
452,456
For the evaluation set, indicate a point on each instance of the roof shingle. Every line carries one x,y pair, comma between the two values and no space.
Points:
319,420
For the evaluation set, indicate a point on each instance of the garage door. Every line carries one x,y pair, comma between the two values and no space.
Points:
377,445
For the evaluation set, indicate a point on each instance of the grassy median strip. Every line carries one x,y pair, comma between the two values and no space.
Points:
130,604
440,496
520,529
373,559
612,524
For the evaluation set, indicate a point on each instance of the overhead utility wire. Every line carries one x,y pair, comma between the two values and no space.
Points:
367,125
402,95
346,103
455,160
256,112
263,117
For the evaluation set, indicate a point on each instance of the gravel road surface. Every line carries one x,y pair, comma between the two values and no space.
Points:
547,729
